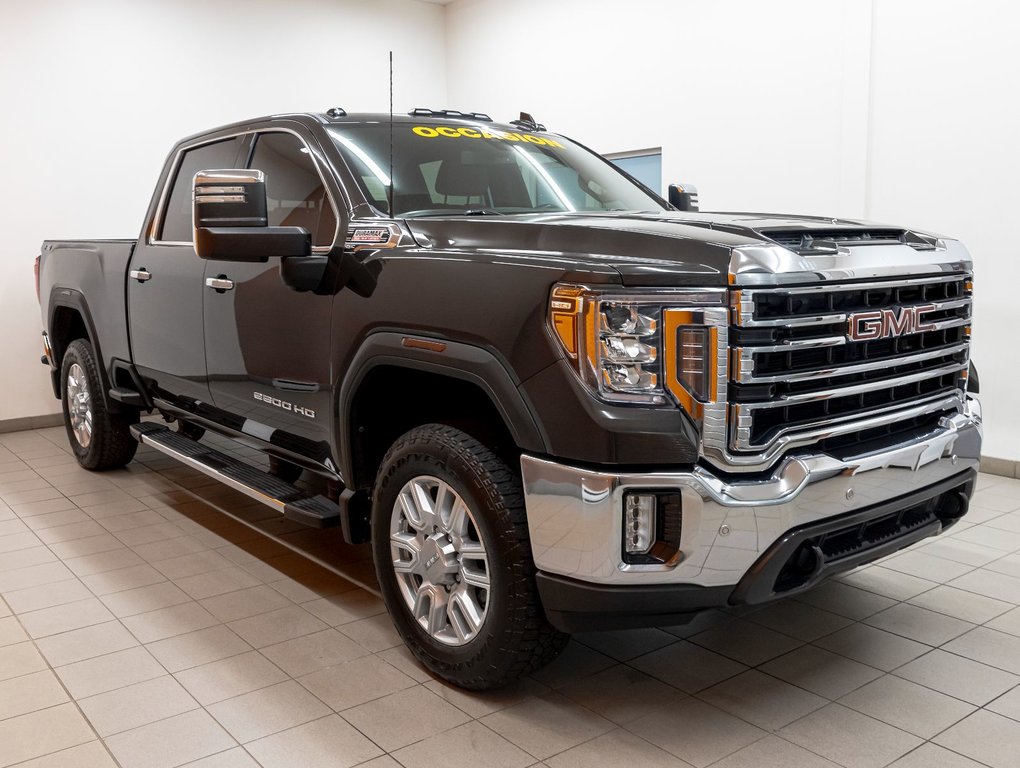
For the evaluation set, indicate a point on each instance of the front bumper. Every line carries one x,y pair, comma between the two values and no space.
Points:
728,527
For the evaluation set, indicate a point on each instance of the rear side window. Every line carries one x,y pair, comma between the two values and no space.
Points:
176,225
295,193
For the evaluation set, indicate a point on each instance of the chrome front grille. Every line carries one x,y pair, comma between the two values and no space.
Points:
808,359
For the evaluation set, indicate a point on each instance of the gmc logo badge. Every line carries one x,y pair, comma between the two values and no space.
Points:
883,323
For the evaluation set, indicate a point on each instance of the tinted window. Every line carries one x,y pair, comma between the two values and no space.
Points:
451,168
295,194
177,219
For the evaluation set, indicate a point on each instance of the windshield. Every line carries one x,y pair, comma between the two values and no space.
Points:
443,169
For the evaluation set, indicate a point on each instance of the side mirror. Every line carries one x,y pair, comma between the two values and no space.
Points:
231,223
683,197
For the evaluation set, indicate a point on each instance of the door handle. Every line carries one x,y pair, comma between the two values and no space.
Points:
219,284
141,275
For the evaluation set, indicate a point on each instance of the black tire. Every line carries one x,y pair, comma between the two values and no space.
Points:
514,637
106,443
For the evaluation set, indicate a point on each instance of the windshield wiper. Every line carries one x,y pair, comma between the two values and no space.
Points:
481,212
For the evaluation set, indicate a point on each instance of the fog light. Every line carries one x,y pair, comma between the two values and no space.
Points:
639,523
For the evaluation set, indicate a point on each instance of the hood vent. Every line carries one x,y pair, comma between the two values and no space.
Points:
808,241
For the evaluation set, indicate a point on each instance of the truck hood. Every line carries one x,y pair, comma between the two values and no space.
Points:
681,248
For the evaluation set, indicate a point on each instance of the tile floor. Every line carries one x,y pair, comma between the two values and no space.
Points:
142,627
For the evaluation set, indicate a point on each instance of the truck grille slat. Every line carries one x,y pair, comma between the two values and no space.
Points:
802,358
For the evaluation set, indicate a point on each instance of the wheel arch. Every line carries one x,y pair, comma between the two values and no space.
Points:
70,319
446,378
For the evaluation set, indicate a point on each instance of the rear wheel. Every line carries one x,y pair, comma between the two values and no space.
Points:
454,562
99,439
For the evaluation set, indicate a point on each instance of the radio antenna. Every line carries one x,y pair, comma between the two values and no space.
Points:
391,137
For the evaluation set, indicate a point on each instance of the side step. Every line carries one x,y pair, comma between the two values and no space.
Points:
294,503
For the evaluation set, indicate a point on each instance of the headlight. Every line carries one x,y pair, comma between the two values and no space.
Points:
642,347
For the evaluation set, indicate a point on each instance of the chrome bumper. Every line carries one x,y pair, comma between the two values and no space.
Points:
575,514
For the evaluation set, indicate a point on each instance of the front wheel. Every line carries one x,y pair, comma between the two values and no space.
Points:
99,439
453,557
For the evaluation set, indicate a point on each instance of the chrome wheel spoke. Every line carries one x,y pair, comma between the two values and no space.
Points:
440,563
79,407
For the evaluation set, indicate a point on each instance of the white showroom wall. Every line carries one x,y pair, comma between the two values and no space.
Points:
901,111
95,93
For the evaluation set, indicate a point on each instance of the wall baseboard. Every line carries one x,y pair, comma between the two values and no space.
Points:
31,422
1001,467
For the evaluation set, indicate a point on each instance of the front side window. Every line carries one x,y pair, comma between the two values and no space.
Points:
451,169
176,225
295,194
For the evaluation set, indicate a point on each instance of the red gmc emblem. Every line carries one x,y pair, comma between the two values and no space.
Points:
883,323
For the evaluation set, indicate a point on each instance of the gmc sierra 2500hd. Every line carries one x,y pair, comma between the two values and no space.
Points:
550,400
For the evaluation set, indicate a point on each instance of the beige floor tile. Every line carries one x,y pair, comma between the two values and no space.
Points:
958,676
887,582
346,607
907,706
220,582
227,678
164,550
688,667
122,579
136,705
986,737
626,644
102,562
355,682
17,541
821,672
40,733
169,622
85,643
987,536
477,704
62,618
326,743
376,719
243,603
33,576
402,658
47,596
54,519
268,710
774,752
621,694
191,565
465,746
919,624
90,755
930,755
762,700
197,648
800,620
24,558
1008,704
30,693
845,600
20,659
996,649
1007,622
872,646
170,742
118,523
375,633
276,626
12,525
11,631
926,566
616,748
998,586
961,551
959,604
70,532
146,534
746,642
131,602
719,734
231,758
850,738
304,655
109,672
88,546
